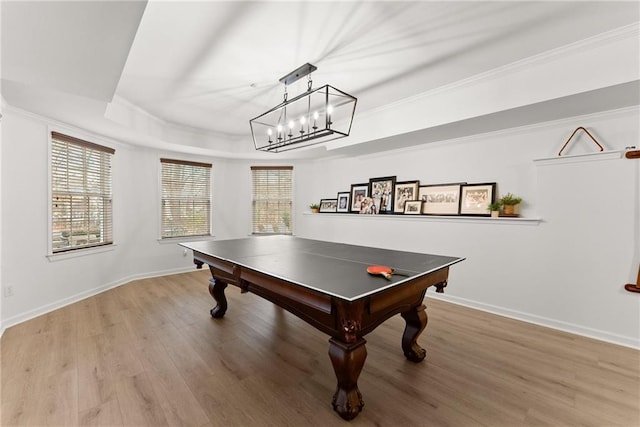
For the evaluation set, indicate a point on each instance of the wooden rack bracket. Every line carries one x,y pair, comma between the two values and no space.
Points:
574,132
632,154
634,287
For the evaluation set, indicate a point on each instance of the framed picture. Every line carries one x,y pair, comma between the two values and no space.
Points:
359,192
412,207
343,201
475,198
404,191
441,199
381,191
367,207
328,205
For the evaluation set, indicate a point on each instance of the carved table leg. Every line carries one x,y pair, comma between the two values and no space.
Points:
416,321
216,289
347,361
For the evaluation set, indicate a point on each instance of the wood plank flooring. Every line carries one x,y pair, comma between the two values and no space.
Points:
148,353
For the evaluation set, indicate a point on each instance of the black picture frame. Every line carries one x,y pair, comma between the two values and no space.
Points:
413,207
381,191
441,199
328,205
359,192
404,191
343,202
476,198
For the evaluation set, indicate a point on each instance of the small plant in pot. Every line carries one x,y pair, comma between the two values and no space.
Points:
315,208
509,203
494,208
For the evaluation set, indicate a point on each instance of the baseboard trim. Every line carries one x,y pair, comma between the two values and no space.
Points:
23,317
543,321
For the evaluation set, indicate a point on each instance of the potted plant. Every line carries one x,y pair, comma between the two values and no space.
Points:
315,208
494,208
509,203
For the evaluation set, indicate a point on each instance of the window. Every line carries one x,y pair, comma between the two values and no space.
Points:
272,199
82,214
186,198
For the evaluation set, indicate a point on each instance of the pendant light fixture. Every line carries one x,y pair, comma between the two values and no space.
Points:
315,116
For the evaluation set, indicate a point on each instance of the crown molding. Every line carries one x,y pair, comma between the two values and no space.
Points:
631,32
119,101
558,123
69,128
633,111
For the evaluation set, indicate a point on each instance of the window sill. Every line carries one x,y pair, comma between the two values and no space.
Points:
80,253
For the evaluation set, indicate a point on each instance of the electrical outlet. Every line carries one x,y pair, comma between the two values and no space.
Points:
8,291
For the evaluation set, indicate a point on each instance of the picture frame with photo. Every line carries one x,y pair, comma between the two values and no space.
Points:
403,192
381,192
328,205
368,207
440,199
413,207
359,192
343,202
476,198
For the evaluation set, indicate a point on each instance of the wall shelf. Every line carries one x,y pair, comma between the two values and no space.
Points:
578,158
433,218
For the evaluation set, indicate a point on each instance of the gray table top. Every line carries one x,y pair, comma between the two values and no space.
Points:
335,269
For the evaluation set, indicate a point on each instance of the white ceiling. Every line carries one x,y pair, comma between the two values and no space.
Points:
206,68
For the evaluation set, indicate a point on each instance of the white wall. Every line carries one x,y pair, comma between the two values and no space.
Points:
567,271
1,237
515,269
41,284
2,103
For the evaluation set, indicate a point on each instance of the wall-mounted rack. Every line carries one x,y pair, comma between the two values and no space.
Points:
574,132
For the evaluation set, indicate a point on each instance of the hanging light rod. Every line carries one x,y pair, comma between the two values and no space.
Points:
315,116
298,73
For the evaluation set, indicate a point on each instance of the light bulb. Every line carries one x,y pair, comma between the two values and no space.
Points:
303,120
279,128
329,109
269,132
315,115
291,124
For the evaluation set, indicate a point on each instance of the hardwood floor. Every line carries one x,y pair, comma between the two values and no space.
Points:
148,353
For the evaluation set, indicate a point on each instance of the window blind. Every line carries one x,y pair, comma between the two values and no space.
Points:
186,198
272,194
82,213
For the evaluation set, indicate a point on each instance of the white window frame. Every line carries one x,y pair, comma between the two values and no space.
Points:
251,201
211,234
56,256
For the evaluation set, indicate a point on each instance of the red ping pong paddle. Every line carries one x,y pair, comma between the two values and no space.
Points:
382,270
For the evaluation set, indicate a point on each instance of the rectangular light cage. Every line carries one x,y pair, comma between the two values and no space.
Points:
314,117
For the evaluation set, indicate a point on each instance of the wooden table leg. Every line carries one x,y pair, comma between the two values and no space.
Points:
416,320
216,289
347,361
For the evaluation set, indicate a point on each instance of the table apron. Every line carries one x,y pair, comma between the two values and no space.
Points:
325,312
399,299
309,305
389,298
